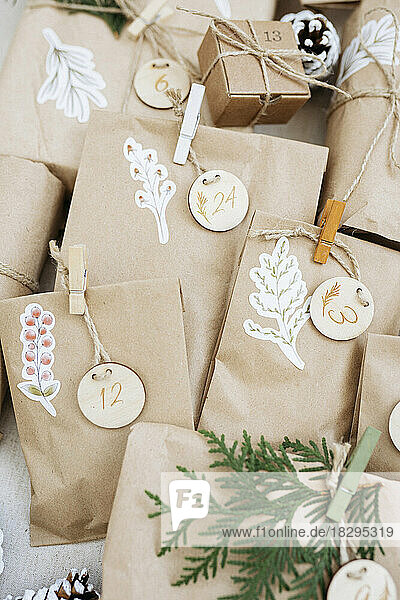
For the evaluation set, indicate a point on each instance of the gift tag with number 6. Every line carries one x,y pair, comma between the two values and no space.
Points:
218,200
156,77
111,395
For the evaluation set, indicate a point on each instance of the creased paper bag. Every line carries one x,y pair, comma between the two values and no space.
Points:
133,540
254,383
31,201
378,394
73,464
32,125
374,204
118,233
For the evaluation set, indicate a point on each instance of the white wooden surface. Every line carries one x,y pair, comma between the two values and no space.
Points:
27,567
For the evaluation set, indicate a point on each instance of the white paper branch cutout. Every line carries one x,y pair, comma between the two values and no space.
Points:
72,80
378,37
281,291
1,552
224,7
37,356
158,190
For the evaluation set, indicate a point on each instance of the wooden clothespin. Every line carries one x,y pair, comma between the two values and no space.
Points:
154,12
350,481
77,265
190,123
330,223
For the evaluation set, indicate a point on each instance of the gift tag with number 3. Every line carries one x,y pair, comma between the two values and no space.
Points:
111,395
156,77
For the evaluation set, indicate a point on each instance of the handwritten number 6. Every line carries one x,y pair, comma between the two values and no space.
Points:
162,84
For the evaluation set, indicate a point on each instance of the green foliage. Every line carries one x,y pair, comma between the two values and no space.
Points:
303,571
115,21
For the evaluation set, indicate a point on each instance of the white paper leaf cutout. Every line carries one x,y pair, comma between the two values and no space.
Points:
224,7
1,552
72,80
379,38
281,295
158,190
37,356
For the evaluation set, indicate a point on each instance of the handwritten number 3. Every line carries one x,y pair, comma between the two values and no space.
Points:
103,394
344,319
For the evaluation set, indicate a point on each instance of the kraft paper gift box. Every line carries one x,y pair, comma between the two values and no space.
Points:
105,216
31,201
133,540
33,127
255,386
235,85
74,464
373,206
378,394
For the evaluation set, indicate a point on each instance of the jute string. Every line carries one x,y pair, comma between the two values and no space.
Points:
100,352
391,93
340,453
160,37
21,278
249,45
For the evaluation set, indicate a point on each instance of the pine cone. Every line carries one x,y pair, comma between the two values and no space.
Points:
315,34
74,587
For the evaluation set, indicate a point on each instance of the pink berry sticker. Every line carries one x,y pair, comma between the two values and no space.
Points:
37,357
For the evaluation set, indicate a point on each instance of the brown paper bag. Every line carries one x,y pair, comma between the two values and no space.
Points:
45,133
255,386
105,216
154,449
352,127
378,394
31,200
73,464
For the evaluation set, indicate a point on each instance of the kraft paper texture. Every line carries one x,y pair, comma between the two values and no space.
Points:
73,464
378,394
44,133
253,384
374,205
31,201
122,238
133,539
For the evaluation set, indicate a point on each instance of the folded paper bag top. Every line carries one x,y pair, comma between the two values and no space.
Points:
74,464
378,395
254,383
31,202
203,259
157,449
362,133
107,67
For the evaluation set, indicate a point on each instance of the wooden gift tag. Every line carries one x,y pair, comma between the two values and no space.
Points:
111,395
157,76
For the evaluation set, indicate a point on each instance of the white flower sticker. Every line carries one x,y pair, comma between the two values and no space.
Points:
379,38
37,356
158,190
224,7
281,291
72,80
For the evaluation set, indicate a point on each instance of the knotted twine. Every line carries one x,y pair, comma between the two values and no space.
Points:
391,93
100,353
354,269
19,277
275,59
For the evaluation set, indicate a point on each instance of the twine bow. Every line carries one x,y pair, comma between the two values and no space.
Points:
249,45
391,93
